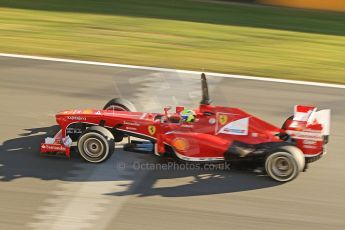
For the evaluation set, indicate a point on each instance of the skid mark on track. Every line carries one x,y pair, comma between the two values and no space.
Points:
82,201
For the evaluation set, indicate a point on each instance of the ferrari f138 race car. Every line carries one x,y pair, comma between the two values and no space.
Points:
206,134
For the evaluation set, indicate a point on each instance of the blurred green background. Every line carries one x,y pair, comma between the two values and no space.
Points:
238,38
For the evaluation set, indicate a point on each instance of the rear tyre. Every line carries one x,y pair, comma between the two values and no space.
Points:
285,163
95,146
119,104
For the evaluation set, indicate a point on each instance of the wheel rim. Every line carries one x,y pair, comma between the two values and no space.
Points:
93,147
282,166
115,108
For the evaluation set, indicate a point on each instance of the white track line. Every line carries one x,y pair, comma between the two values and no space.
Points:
278,80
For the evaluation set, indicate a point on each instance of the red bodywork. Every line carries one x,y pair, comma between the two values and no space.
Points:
208,138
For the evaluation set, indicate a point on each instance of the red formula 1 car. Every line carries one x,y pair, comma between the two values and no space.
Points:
207,134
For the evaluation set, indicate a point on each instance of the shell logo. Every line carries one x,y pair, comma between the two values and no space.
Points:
180,144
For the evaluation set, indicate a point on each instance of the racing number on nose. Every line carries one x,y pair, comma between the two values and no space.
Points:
152,129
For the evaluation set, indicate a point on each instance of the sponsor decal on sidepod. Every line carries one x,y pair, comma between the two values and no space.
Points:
238,127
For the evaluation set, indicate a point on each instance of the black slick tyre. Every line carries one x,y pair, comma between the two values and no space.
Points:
285,163
119,104
95,146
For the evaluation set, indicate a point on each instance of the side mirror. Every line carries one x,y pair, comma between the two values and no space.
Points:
166,109
179,109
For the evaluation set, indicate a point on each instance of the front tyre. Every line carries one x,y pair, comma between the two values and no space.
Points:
119,104
95,147
285,164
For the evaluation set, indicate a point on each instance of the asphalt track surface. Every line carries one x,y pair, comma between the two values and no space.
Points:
55,193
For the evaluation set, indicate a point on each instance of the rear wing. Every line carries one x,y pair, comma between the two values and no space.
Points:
310,130
308,117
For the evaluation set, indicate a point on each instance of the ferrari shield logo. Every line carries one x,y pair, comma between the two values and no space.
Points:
223,119
152,129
